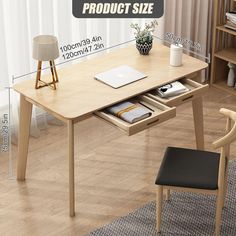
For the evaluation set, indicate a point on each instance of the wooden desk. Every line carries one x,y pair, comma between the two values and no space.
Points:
78,95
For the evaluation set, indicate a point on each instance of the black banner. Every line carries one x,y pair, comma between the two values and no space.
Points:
118,9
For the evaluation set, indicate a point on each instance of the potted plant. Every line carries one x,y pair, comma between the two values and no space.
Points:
144,37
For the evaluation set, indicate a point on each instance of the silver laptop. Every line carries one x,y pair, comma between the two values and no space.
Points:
120,76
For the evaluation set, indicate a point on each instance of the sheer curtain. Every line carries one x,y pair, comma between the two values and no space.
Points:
190,19
20,21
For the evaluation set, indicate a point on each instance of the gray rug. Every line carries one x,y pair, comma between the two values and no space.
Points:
186,214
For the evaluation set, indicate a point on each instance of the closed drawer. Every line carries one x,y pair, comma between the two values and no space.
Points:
195,89
160,113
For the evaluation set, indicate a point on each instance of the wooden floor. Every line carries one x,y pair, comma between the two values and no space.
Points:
115,174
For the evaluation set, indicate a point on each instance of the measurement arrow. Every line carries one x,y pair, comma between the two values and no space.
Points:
104,49
74,59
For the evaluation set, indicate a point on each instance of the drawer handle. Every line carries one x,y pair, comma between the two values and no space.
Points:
185,99
153,122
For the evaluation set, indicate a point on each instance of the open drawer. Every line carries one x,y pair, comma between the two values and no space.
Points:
159,112
195,89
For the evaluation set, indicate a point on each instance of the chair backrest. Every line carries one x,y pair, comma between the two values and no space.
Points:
231,132
224,143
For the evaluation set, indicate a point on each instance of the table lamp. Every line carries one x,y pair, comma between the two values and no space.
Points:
45,48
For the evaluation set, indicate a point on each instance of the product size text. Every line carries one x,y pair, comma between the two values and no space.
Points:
118,8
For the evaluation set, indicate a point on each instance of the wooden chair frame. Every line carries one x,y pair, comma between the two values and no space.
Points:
224,145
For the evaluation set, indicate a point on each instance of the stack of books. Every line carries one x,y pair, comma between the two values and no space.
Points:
231,20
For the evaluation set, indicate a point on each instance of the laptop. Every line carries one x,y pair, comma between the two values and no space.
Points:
120,76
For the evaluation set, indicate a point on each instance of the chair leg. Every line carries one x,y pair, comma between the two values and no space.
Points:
167,194
225,182
225,190
219,206
159,207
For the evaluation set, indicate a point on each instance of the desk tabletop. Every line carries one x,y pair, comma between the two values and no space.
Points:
78,94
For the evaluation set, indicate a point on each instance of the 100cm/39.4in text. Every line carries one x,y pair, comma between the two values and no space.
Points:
82,47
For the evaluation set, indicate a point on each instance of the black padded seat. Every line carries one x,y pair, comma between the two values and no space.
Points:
189,168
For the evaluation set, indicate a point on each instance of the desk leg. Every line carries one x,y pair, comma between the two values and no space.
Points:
71,167
198,122
23,137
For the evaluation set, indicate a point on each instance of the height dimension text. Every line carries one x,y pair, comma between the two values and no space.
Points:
5,133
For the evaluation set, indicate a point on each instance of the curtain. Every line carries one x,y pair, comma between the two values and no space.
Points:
191,20
20,21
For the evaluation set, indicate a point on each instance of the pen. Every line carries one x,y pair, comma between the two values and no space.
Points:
146,106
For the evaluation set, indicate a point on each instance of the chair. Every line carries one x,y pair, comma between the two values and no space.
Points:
197,171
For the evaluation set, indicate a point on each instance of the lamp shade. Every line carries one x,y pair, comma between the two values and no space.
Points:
45,48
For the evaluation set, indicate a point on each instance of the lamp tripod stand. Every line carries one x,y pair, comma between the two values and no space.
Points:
40,83
45,48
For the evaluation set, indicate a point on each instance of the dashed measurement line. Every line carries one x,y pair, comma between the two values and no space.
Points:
14,78
81,48
5,133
